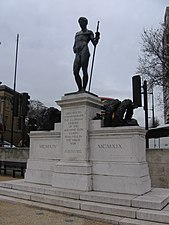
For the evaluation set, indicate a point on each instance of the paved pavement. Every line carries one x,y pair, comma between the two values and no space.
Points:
15,213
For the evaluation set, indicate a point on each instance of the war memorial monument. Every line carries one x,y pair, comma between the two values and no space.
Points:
90,166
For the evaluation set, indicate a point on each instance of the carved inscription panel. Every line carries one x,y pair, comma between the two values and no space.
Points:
114,149
45,148
73,133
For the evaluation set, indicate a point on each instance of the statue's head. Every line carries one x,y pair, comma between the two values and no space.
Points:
83,21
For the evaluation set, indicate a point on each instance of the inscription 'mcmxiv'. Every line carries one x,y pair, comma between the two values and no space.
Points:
110,146
49,146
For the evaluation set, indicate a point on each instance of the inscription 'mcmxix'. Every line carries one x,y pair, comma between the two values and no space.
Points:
108,146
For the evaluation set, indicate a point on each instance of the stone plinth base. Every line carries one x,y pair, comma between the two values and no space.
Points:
44,154
76,176
82,155
40,171
74,170
121,177
129,185
119,159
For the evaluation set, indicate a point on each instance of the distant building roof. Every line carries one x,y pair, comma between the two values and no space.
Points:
7,89
105,98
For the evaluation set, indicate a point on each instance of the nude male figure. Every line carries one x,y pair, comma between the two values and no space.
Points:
82,54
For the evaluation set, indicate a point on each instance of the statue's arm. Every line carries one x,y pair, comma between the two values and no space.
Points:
74,48
74,45
95,39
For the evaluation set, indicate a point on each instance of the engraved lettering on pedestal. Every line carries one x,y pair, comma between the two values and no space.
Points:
73,131
44,146
110,146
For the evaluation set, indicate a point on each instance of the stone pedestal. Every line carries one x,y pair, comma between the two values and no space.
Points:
119,159
44,154
74,170
82,155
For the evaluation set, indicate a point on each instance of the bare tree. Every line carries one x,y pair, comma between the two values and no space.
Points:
36,111
154,58
43,116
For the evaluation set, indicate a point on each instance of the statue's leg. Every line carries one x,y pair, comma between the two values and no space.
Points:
76,69
85,62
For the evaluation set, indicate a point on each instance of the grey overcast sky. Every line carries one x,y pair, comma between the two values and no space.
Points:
47,29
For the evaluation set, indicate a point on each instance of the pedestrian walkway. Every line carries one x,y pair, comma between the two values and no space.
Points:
27,203
20,214
15,213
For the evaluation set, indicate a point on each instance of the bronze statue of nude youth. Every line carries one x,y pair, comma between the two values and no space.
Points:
82,54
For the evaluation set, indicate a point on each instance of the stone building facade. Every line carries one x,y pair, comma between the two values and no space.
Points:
6,110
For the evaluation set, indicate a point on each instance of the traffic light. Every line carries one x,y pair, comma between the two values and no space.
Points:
136,81
32,124
25,103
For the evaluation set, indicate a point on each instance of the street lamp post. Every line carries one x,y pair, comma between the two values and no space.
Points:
153,114
2,119
14,89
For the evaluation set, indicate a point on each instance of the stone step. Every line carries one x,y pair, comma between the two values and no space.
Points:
108,198
128,221
109,209
40,189
155,199
64,202
15,193
93,196
153,215
115,220
47,190
71,203
76,212
151,201
87,203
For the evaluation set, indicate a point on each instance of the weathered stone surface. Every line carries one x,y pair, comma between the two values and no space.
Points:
158,162
74,171
98,205
109,209
128,221
39,176
63,193
14,154
119,184
118,144
72,181
45,145
111,198
153,215
15,193
82,155
70,203
151,202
